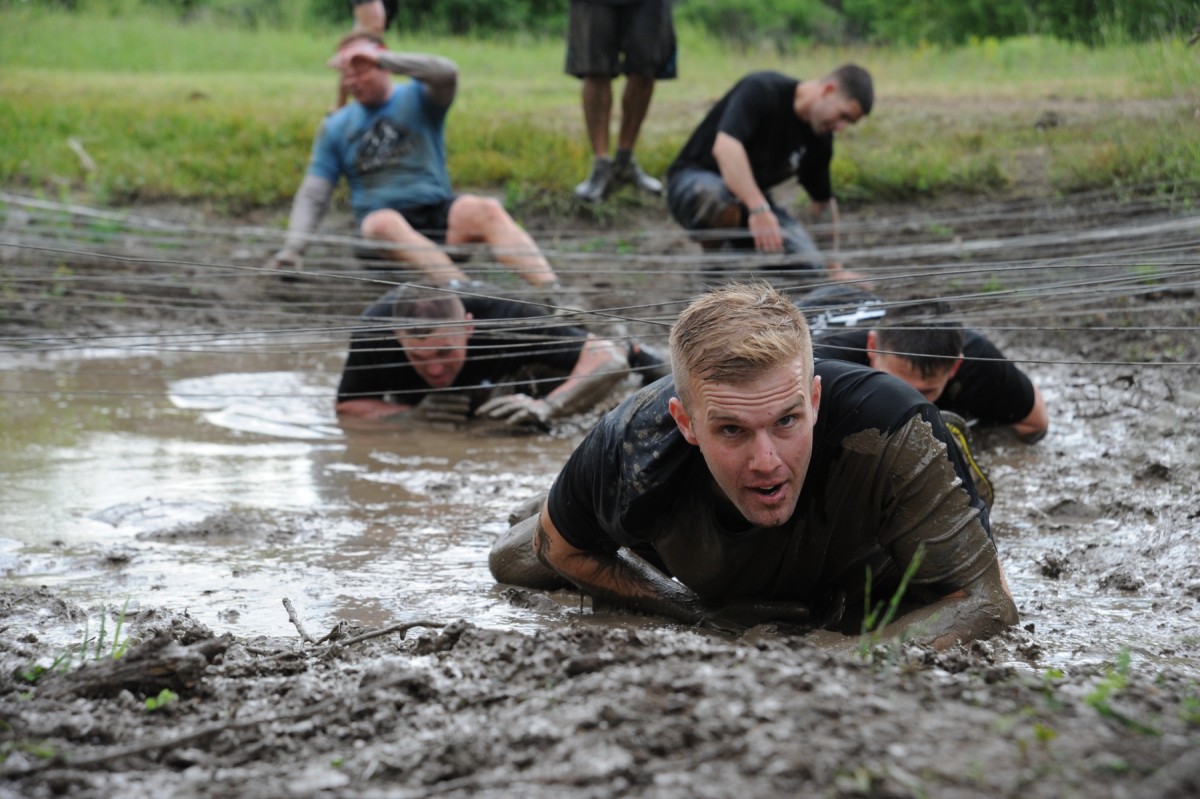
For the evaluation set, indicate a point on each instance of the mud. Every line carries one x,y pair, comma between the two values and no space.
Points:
206,482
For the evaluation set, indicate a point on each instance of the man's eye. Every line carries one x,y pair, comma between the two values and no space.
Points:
787,421
729,430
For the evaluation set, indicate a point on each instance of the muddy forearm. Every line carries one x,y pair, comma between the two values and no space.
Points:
619,578
600,368
981,610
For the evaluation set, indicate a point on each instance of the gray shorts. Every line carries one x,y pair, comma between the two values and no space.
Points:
697,197
609,39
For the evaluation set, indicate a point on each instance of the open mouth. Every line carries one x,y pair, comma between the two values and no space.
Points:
768,491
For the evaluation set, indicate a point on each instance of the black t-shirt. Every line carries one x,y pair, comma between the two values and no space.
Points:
986,387
759,112
503,346
883,479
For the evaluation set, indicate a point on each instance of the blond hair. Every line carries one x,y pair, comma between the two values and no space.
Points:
735,333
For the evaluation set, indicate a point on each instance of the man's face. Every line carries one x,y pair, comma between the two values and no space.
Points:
365,82
833,111
756,438
439,356
931,386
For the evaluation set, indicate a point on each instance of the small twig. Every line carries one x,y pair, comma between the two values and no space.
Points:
402,627
295,620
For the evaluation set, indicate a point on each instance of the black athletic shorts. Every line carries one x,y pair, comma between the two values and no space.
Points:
430,221
606,39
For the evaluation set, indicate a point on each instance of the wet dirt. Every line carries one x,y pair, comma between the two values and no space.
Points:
157,451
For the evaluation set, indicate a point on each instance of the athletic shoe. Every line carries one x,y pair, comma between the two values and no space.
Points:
598,183
628,171
960,431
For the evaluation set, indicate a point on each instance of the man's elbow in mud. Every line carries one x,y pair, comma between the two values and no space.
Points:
981,610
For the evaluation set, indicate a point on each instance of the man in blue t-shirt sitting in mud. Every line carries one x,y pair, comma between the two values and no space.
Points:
390,145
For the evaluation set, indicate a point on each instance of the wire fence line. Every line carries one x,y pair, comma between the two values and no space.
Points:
1100,266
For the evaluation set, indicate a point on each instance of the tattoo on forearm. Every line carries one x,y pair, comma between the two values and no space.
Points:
541,544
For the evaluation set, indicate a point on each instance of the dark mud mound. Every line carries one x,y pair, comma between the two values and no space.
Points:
584,711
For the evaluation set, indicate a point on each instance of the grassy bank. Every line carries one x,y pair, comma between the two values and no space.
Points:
195,112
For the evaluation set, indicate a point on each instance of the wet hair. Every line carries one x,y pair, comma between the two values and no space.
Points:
855,83
735,333
920,334
410,309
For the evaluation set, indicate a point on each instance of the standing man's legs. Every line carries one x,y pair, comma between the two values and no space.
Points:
604,41
597,113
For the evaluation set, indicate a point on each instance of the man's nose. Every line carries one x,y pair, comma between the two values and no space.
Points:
764,455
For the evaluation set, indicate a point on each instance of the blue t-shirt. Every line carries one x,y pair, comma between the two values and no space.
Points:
393,155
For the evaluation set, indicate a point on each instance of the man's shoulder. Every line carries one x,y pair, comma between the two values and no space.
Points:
977,345
856,397
642,437
494,307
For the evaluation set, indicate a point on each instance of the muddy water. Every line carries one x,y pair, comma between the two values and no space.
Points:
221,482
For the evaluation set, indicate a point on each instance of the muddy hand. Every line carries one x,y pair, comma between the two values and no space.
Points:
448,407
516,410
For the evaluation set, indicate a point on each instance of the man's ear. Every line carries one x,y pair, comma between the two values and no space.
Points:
816,396
682,420
954,366
467,317
872,348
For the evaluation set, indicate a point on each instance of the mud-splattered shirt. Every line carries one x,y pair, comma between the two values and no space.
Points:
511,341
882,481
987,386
759,111
393,155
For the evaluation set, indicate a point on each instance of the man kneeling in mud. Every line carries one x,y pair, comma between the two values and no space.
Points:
770,491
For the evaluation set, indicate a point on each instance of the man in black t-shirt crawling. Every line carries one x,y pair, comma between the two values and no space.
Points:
958,369
770,490
445,357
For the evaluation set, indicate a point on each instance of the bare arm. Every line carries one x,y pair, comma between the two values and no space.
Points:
625,580
734,165
1033,427
618,578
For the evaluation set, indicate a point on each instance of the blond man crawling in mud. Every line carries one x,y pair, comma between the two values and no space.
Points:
753,487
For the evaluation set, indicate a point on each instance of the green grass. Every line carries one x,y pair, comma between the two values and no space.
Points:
226,116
